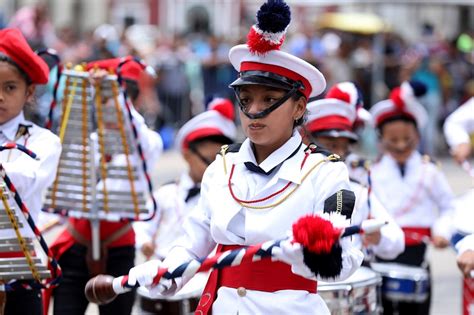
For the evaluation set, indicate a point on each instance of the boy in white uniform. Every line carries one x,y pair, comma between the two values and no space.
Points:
198,140
20,70
412,189
331,124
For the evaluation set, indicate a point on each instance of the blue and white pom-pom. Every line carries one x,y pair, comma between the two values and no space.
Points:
268,34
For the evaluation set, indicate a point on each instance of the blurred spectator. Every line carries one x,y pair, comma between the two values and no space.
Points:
217,72
173,88
34,22
336,66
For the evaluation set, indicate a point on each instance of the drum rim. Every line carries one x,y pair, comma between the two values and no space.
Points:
375,279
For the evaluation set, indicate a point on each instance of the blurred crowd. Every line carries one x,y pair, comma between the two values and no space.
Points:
193,67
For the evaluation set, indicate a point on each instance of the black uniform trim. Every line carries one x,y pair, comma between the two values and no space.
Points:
341,202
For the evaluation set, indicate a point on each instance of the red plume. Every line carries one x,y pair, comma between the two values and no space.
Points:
396,98
224,106
260,46
337,93
315,233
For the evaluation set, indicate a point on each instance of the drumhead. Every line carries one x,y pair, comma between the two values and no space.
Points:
362,277
464,213
192,289
399,271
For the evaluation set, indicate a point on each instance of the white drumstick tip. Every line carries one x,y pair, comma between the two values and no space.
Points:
372,225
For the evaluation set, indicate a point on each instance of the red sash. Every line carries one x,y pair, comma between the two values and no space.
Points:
264,275
416,235
468,296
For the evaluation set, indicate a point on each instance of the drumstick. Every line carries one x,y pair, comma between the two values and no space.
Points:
313,234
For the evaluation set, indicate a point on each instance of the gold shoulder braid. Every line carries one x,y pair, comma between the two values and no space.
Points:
223,151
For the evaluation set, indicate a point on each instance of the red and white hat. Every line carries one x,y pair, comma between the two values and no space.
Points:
218,120
13,44
261,62
335,115
402,103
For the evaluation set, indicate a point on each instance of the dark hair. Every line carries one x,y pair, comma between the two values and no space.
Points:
215,138
4,58
302,119
403,118
132,89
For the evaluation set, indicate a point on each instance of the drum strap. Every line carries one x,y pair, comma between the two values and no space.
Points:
109,240
416,235
97,267
264,275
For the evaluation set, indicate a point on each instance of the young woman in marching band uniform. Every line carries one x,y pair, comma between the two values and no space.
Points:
331,125
199,140
412,189
73,247
255,191
20,71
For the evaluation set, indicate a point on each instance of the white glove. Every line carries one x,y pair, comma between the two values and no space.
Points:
145,273
292,254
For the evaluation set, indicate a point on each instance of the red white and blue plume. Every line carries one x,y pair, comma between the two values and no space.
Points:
403,101
261,54
268,34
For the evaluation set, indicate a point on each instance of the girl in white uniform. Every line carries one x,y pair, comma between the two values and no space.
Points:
20,70
254,192
412,189
331,124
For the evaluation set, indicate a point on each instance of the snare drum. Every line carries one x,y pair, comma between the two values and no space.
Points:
182,303
403,283
356,295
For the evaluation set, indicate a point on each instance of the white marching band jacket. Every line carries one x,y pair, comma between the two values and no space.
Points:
422,198
30,177
218,218
460,124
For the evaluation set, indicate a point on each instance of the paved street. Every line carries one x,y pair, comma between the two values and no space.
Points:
446,298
